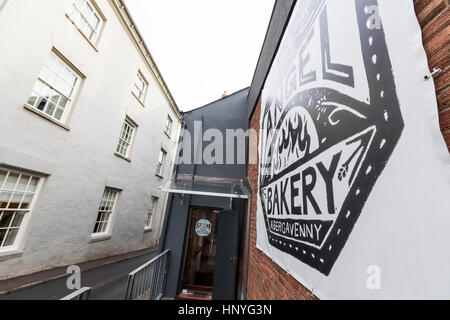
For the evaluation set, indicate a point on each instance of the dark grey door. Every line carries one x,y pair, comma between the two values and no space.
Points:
226,267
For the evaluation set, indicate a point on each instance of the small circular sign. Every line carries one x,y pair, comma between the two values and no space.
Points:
203,228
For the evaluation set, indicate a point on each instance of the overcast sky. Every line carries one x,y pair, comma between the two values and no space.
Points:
203,47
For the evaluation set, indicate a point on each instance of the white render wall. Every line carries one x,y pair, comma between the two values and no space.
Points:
80,162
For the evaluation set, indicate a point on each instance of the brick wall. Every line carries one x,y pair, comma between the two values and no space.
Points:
266,280
434,18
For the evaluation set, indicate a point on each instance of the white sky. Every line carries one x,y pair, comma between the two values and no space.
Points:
203,47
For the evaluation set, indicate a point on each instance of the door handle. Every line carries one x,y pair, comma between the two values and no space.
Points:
234,260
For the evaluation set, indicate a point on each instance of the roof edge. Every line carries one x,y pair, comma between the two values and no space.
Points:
228,96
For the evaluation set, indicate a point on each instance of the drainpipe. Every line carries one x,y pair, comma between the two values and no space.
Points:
162,239
247,229
247,244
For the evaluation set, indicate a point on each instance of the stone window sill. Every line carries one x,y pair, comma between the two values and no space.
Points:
100,238
10,254
43,115
168,135
122,157
139,100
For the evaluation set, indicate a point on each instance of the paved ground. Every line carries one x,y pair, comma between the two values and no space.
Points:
108,282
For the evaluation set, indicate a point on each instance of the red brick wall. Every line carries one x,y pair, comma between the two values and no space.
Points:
266,280
434,18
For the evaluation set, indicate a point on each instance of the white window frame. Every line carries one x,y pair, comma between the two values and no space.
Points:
98,14
140,94
24,225
126,140
44,85
168,126
151,213
106,216
162,157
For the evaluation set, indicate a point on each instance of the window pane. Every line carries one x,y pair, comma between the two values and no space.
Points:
4,198
41,104
26,202
88,31
15,200
107,205
51,60
139,87
63,102
168,126
45,74
2,236
80,3
54,88
33,184
9,241
140,84
148,222
85,18
18,219
92,18
54,98
50,109
125,139
153,204
11,181
58,113
32,100
2,177
6,219
13,197
57,66
22,186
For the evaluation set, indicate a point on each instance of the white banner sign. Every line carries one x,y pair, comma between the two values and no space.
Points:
346,116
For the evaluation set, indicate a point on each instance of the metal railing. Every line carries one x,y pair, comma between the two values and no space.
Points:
82,294
149,280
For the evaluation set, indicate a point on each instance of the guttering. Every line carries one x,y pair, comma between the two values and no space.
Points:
247,248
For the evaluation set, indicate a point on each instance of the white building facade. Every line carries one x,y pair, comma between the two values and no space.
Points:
88,132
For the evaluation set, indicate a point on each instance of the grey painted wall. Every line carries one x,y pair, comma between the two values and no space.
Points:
228,113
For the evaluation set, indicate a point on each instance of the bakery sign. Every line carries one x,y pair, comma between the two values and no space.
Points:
330,122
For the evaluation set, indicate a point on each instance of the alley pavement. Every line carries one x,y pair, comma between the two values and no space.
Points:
108,282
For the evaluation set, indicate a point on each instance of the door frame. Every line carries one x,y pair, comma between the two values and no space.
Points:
186,239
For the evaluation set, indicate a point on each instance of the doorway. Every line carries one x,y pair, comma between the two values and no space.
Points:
211,256
200,253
